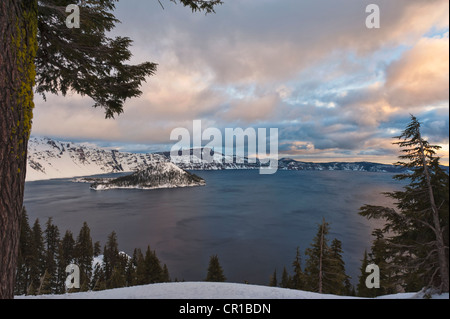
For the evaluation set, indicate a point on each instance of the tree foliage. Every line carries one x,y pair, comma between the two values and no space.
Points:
215,271
84,254
200,5
415,234
298,279
325,268
43,258
87,60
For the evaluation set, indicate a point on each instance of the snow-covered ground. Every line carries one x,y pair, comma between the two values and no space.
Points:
206,290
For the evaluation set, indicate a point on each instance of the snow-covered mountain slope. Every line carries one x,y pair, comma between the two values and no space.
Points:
49,159
154,176
206,290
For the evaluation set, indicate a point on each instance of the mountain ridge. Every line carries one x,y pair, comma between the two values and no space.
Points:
52,159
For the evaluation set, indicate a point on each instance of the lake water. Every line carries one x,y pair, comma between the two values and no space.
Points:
252,222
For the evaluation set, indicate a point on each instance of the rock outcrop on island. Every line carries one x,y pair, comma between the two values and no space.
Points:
154,176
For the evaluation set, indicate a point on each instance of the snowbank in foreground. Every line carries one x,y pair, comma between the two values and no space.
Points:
205,290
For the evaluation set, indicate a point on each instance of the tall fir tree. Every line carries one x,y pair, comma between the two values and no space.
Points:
23,268
286,280
273,281
66,257
338,280
379,255
153,269
37,263
215,271
98,282
165,274
110,256
97,249
130,272
118,279
52,243
84,254
298,279
363,290
318,260
45,287
23,275
417,231
132,269
140,274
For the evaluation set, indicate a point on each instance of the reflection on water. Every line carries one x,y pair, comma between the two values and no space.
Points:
253,222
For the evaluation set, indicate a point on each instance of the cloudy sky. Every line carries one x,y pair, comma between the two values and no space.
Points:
335,89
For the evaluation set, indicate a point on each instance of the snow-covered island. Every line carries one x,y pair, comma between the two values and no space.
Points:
154,176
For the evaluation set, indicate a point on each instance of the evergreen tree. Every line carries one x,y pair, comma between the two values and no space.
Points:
325,267
117,279
110,256
417,230
84,252
273,282
66,257
52,243
141,278
338,281
45,284
130,273
318,260
67,249
31,290
286,280
97,249
165,274
298,278
37,262
120,278
153,270
379,255
215,271
363,291
98,278
23,276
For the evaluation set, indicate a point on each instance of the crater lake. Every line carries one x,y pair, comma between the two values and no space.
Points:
253,222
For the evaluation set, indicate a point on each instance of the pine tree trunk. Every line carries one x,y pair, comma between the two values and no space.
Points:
440,244
18,24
